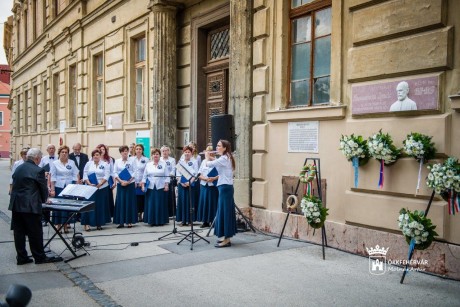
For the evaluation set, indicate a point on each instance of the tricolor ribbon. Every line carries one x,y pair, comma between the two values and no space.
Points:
453,205
419,176
381,177
355,163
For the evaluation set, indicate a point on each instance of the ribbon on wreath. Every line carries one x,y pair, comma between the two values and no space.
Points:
381,177
419,176
453,205
355,163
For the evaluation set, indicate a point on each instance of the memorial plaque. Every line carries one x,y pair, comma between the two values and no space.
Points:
416,95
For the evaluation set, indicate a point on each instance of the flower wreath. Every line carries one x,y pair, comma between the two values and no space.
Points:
355,150
308,173
417,228
314,211
381,148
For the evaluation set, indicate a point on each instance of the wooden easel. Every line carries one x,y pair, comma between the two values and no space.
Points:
317,163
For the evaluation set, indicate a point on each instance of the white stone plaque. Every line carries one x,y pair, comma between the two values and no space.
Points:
303,136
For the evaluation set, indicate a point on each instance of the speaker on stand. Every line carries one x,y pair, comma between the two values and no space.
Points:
222,128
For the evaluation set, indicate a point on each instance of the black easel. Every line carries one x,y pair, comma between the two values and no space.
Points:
317,163
172,187
412,251
192,232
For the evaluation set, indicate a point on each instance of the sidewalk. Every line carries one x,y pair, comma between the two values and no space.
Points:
253,272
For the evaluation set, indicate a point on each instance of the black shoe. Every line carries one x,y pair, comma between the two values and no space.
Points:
204,225
121,226
22,262
219,245
49,260
99,228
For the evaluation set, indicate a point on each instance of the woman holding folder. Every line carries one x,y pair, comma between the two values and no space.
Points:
63,172
156,182
125,204
225,224
96,174
184,189
207,206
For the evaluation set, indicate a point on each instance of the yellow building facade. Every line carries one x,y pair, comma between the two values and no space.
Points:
100,71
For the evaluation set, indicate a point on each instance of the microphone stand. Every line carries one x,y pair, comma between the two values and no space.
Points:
172,190
192,232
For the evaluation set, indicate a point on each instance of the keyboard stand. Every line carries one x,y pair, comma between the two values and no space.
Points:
58,233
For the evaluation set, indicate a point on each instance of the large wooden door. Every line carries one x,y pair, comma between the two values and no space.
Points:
216,72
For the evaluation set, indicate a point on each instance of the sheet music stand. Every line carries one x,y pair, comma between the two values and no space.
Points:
188,174
78,193
173,186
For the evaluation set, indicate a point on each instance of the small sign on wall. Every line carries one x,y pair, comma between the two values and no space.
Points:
303,136
143,137
62,125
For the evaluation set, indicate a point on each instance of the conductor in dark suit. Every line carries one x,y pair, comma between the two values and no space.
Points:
79,158
29,191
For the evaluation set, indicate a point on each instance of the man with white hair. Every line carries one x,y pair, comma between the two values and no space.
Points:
29,191
403,103
50,158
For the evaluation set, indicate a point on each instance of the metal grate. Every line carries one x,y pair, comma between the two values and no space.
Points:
220,44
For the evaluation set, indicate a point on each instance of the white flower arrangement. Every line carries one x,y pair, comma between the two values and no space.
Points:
381,148
415,226
353,146
419,146
313,211
444,176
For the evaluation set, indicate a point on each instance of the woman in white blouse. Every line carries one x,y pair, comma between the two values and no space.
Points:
63,172
225,224
125,204
171,166
184,189
156,205
101,214
139,162
207,205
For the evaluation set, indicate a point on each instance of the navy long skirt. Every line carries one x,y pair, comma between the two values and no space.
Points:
183,205
156,207
125,205
60,217
101,213
196,196
207,206
225,225
170,195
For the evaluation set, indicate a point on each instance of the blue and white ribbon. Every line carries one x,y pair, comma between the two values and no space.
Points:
355,163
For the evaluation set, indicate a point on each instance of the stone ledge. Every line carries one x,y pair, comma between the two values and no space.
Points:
327,112
355,239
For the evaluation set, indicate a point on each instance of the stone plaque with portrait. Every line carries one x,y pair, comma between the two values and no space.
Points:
402,96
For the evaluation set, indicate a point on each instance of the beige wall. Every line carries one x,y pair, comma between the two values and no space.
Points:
370,42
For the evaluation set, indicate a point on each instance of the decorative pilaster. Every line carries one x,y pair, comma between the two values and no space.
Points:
164,91
240,92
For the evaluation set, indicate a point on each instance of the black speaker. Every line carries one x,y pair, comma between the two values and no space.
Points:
78,241
222,129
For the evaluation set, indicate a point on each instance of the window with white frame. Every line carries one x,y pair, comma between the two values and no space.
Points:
44,104
139,79
56,103
98,93
310,52
33,109
73,96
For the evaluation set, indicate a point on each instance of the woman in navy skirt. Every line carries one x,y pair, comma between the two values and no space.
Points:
125,205
183,188
139,162
156,204
225,224
101,214
171,165
105,157
209,194
63,172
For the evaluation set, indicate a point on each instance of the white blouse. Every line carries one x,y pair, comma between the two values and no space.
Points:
224,168
102,171
139,167
192,165
158,175
170,164
204,170
120,165
63,174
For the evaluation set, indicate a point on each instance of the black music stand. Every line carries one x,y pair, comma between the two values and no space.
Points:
185,171
173,185
77,193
